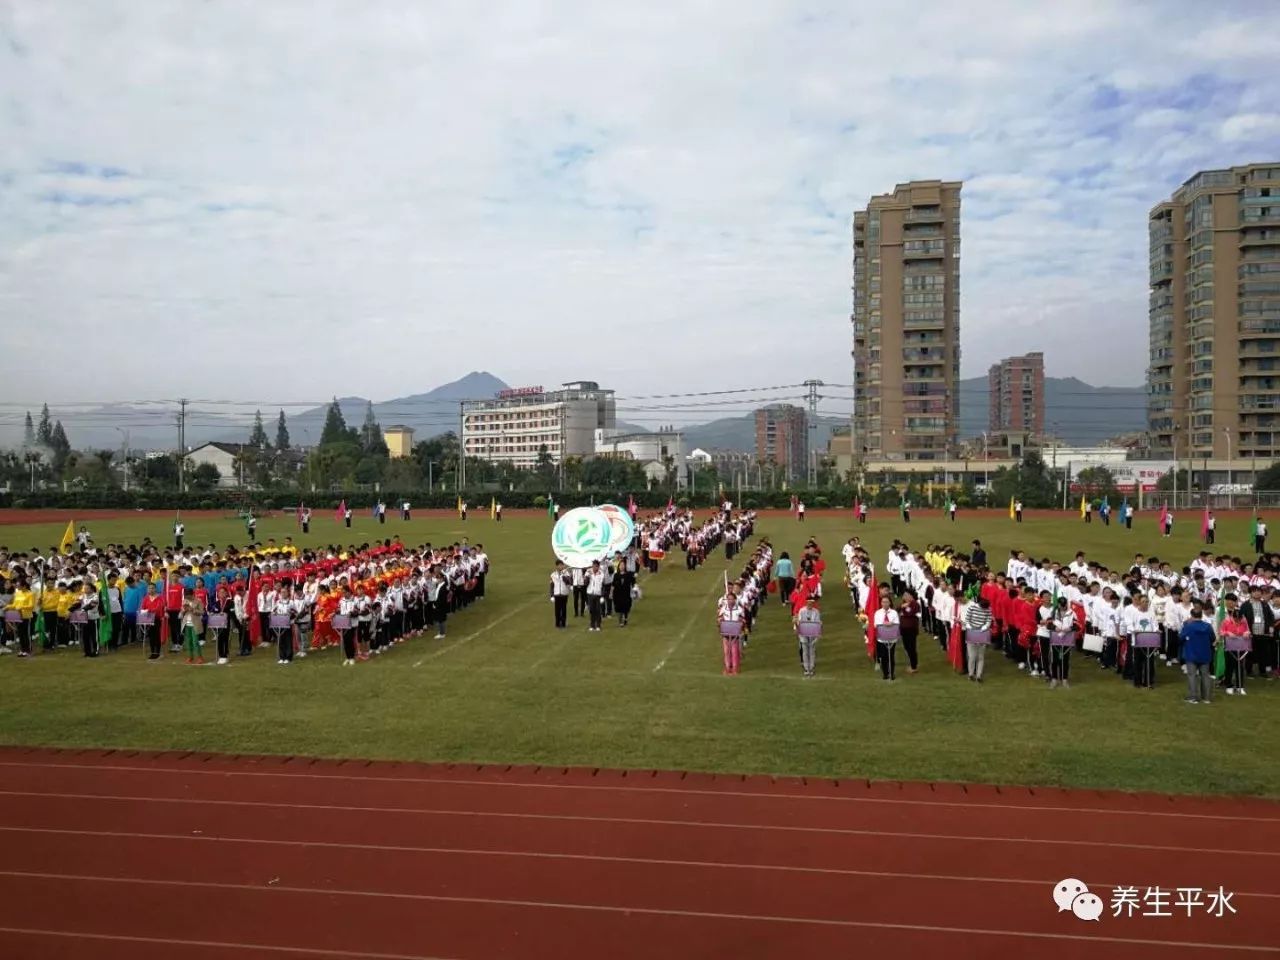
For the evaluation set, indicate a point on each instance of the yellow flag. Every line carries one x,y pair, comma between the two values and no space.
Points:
68,538
1012,515
493,507
459,504
1082,510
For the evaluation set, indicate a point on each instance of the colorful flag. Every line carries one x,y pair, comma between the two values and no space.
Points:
68,538
1204,524
104,613
955,646
251,610
869,611
1219,648
342,511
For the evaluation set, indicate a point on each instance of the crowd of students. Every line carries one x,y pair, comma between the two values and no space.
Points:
362,600
1037,612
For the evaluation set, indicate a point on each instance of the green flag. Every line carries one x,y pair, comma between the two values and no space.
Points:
1219,649
551,506
41,636
104,613
902,506
1253,535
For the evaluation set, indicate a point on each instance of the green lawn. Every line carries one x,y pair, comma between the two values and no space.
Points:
506,688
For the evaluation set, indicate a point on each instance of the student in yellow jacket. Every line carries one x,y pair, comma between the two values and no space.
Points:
24,601
49,599
66,600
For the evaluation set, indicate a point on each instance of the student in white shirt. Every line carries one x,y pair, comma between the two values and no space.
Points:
595,596
886,616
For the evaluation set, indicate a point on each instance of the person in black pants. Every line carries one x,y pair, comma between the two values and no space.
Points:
1262,623
558,591
909,624
595,595
579,592
622,596
222,604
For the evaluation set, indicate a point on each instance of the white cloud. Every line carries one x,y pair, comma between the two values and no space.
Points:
654,196
1251,127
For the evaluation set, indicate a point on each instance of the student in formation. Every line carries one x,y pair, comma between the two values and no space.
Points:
154,604
221,604
809,613
729,610
886,616
89,603
1196,641
909,624
1233,625
623,582
558,591
595,596
191,613
977,617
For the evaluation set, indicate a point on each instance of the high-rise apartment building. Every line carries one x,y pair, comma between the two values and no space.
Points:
782,438
906,323
1213,381
1017,394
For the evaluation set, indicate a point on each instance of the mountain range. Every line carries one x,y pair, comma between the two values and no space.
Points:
1076,411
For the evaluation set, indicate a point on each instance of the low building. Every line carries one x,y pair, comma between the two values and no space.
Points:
223,456
646,447
399,441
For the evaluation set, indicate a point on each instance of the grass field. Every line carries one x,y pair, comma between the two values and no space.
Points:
507,688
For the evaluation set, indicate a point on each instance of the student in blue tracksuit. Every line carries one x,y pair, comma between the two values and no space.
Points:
130,604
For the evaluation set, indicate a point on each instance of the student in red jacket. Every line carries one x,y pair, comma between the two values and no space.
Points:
173,610
154,604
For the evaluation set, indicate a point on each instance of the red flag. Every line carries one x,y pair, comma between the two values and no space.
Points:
342,511
251,610
299,513
955,647
1204,524
631,505
670,502
856,506
1164,516
872,605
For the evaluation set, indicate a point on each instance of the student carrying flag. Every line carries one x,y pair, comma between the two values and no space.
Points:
68,538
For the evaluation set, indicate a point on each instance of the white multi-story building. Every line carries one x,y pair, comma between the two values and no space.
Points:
646,448
517,423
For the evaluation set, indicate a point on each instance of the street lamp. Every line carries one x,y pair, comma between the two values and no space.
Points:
1227,432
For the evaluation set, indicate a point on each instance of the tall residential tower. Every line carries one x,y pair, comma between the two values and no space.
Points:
906,323
1213,382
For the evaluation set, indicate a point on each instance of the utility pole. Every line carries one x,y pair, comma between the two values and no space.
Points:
462,446
810,448
182,443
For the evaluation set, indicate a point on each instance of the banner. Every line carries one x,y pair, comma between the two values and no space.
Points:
582,536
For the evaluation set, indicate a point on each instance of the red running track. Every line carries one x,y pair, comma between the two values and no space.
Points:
120,854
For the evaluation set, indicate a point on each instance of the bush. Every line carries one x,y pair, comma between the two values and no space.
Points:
821,503
206,505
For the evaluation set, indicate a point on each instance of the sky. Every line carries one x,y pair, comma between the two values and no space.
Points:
295,200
